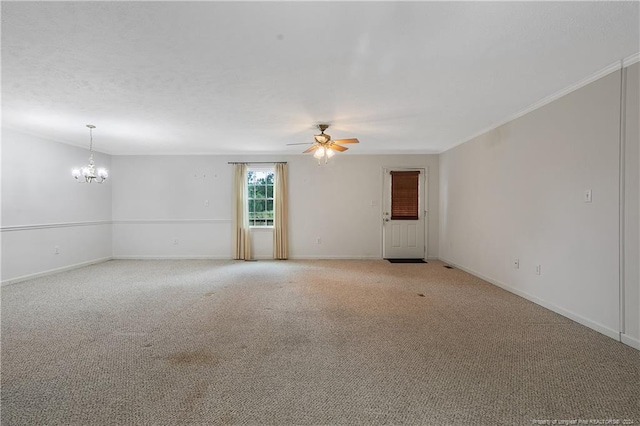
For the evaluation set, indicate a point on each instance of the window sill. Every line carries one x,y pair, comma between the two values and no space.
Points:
261,228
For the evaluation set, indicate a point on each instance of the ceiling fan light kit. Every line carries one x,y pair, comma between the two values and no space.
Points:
324,147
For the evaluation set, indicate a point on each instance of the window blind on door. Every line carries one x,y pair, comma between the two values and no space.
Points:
404,195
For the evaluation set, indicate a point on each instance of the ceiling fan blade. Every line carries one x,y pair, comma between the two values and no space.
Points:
303,143
310,149
338,147
352,140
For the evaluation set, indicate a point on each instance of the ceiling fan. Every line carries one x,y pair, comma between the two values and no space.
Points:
324,146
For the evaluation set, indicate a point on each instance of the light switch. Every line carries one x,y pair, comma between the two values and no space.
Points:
587,196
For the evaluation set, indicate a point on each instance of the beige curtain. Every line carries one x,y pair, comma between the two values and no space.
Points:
241,231
281,213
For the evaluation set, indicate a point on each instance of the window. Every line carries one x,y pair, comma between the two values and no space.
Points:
404,195
260,183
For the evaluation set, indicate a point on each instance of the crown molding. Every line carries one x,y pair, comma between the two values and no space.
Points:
49,138
630,60
616,66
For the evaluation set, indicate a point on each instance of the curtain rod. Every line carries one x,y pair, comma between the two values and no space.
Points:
257,162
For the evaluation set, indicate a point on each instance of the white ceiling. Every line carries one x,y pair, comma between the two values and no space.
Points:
247,77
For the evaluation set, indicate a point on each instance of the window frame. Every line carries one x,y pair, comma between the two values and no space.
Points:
261,169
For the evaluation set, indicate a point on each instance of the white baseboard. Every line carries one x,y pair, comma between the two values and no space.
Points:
630,341
316,257
173,257
609,332
54,271
197,257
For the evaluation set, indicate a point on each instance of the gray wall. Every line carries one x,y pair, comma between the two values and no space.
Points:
517,192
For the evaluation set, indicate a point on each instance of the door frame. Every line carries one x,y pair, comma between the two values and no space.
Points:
425,203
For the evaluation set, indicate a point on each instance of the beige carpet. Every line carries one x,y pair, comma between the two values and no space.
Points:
299,343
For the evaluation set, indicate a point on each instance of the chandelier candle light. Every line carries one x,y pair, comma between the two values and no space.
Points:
88,174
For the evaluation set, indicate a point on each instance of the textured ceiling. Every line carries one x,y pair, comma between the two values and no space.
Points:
223,77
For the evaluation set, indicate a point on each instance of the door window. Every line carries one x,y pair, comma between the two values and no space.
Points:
404,195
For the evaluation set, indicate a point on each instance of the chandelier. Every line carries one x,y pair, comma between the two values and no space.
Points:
89,174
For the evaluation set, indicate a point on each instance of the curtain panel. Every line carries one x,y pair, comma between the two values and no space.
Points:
241,231
281,212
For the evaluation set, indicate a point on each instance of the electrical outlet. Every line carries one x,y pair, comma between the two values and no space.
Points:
175,241
56,250
538,269
516,263
206,203
318,241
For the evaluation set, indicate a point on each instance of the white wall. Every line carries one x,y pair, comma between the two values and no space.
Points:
631,330
159,199
517,192
331,202
44,207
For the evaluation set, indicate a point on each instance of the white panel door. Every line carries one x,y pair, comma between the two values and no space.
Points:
403,239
